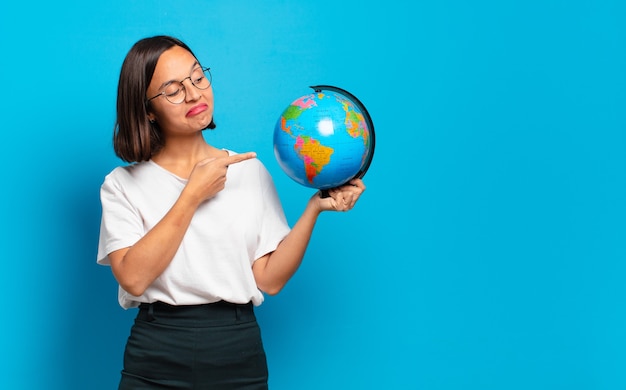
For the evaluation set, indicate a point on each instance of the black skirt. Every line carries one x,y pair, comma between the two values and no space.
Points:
212,346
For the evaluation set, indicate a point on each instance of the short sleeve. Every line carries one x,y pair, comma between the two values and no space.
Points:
121,225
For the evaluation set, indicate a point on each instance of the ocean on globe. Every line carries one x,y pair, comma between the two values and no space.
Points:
322,140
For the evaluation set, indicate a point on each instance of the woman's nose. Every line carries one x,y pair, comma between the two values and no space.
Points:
191,92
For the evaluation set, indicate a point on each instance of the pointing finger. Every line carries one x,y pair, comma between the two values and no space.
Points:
234,159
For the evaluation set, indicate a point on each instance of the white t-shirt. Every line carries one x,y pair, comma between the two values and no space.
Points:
227,234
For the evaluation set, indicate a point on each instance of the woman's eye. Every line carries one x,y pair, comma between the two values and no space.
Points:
172,93
173,90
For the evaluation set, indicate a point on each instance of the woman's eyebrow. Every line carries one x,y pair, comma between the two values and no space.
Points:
166,83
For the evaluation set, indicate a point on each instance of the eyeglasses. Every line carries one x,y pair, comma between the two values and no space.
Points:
175,92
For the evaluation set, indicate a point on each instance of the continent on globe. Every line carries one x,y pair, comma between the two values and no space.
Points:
314,155
355,123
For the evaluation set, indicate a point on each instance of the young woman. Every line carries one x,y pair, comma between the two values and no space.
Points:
194,234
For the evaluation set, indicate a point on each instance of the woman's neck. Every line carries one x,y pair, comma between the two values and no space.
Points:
180,158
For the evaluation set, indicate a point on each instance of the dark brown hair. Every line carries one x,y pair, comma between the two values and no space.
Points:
135,138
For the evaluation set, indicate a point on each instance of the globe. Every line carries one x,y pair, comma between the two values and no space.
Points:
324,139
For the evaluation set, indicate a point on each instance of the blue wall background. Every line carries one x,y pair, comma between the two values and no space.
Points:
487,253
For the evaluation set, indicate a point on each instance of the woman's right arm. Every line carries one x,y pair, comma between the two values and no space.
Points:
136,267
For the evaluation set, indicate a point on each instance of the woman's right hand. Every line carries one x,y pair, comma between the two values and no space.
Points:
208,177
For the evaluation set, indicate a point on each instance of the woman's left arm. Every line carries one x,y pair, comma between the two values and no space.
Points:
274,270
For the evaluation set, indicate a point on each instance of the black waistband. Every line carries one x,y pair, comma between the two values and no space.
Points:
209,314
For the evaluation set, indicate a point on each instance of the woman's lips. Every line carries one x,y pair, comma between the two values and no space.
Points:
195,110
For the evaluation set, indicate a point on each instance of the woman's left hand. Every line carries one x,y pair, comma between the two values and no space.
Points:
342,198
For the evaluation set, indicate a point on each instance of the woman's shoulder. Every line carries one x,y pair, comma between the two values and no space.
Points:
128,172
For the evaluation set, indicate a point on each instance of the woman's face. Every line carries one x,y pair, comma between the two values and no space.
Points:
195,112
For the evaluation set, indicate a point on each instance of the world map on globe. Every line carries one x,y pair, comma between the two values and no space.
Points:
322,139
